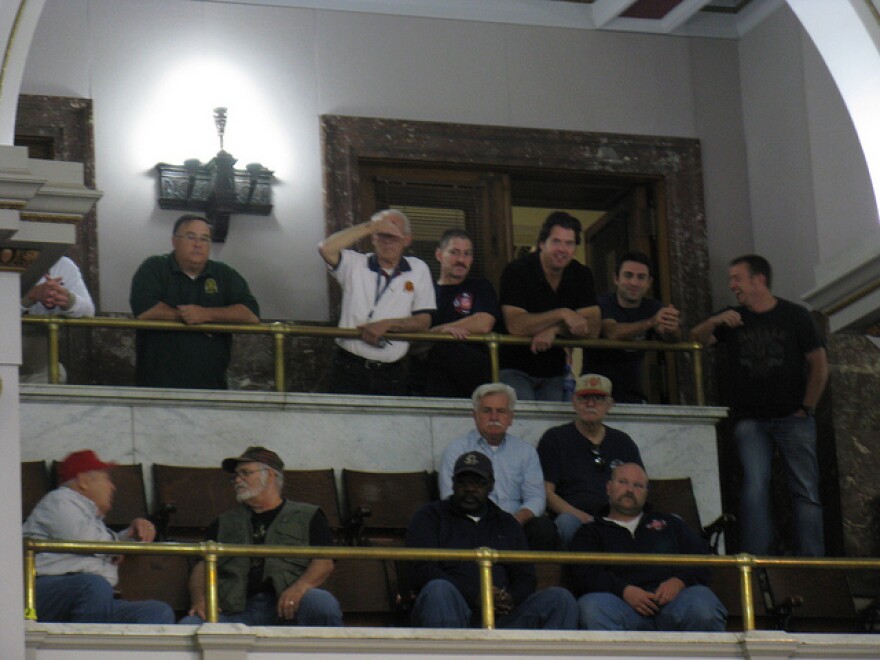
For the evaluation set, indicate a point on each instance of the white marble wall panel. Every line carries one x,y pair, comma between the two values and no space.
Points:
131,425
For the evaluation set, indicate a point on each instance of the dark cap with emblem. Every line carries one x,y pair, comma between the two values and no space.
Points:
475,462
255,455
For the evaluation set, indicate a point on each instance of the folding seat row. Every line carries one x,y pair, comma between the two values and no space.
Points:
378,508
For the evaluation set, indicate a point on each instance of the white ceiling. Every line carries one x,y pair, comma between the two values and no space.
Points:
727,19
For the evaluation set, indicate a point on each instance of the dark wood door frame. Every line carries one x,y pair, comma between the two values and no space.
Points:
674,162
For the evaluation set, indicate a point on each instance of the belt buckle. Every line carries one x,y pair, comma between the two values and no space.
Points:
373,365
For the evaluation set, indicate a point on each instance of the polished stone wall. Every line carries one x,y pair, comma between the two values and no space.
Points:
854,393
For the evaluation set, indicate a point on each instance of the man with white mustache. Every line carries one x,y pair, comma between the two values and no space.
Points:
266,591
519,482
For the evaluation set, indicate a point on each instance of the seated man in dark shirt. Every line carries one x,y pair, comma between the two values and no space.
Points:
577,458
262,591
449,595
642,597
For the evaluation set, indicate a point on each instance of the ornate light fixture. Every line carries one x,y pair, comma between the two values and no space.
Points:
216,188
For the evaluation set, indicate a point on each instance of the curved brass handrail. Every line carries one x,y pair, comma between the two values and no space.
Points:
210,551
280,329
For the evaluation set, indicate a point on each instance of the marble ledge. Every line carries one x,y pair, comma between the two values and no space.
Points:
240,399
428,642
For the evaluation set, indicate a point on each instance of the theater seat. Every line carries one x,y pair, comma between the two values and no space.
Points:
35,483
677,496
381,504
811,600
316,487
195,496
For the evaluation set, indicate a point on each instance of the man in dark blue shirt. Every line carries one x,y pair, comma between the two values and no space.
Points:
449,595
628,314
465,305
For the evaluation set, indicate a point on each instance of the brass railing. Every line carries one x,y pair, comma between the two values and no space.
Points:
210,551
279,330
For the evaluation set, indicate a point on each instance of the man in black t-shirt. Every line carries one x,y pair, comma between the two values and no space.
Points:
465,305
262,591
545,294
778,370
628,314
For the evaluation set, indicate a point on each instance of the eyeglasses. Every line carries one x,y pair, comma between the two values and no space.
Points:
194,238
598,461
598,398
244,474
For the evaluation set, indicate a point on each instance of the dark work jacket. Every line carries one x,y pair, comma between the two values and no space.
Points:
439,525
657,534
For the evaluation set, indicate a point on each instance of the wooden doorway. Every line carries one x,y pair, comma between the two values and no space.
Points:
515,164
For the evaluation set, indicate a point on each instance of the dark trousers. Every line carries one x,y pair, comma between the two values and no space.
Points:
353,374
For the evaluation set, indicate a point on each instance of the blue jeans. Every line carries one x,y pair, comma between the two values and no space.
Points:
317,608
795,438
529,388
441,605
695,609
567,524
88,598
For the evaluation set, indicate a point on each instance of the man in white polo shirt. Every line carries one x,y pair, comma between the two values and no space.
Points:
382,292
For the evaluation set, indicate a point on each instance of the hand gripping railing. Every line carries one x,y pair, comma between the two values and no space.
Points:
210,552
279,330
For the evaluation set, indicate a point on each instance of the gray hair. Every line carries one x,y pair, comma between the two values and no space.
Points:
393,212
279,478
486,389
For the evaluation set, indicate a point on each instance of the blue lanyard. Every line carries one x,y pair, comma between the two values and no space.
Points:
380,290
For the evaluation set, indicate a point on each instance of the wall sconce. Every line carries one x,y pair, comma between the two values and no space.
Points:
216,188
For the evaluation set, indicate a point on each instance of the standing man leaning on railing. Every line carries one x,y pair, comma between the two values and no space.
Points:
778,370
544,295
627,313
187,286
382,292
79,588
60,292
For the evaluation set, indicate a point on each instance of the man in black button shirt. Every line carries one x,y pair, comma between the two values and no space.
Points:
262,591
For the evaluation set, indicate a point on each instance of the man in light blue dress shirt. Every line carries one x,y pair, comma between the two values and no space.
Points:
519,481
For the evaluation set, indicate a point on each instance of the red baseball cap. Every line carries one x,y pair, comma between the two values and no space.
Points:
81,461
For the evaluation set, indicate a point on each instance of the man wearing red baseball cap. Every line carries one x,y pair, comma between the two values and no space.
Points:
79,588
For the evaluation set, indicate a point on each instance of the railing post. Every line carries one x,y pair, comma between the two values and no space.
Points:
698,376
279,359
211,582
486,598
54,371
30,584
494,363
745,586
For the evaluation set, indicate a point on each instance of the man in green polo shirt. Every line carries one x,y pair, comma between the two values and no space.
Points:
187,286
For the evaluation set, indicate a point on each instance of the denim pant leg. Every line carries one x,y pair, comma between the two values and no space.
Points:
74,598
441,605
550,389
523,384
605,611
549,609
694,609
318,608
142,611
755,445
567,524
259,610
796,438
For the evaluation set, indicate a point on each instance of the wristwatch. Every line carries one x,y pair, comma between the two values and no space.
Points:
809,411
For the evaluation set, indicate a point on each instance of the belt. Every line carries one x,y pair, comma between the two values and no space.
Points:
369,365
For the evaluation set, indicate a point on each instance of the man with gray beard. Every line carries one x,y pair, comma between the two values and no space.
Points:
261,591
